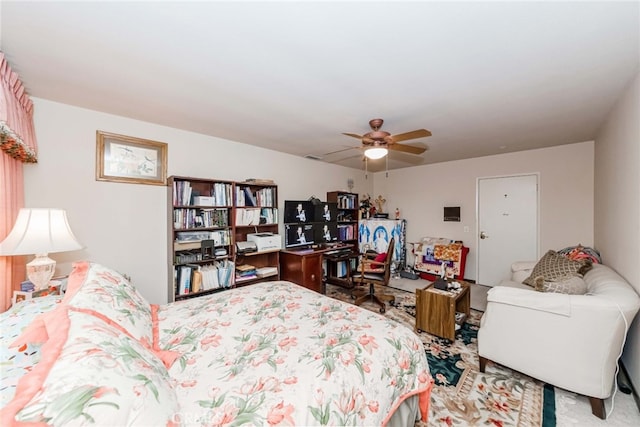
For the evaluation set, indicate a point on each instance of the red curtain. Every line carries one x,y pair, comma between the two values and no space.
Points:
18,145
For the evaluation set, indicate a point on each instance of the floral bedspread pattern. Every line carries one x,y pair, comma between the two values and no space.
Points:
17,361
270,353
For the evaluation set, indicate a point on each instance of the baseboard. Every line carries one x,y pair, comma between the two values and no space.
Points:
625,381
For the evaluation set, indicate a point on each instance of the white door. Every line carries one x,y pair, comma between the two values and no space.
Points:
507,225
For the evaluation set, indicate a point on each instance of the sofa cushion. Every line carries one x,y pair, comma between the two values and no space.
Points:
574,285
553,267
91,373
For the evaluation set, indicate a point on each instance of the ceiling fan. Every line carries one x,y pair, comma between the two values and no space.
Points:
377,143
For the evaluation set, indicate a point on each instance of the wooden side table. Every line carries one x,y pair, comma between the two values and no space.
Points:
332,268
436,309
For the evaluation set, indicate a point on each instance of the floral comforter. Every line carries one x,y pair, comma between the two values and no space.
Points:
277,353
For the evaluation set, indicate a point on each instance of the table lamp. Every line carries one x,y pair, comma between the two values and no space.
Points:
40,232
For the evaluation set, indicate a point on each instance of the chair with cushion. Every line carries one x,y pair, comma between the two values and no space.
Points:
564,328
374,269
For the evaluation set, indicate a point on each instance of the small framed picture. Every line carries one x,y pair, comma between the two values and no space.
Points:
121,158
19,296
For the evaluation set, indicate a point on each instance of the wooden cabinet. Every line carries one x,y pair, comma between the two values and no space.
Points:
441,312
206,217
348,211
303,267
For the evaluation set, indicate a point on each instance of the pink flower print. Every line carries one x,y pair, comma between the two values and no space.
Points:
225,324
447,420
325,308
424,377
373,406
330,341
497,423
108,277
177,339
280,414
319,396
236,300
210,341
188,383
404,361
224,415
279,360
139,390
366,366
368,342
293,306
290,380
352,309
287,343
191,361
250,346
347,357
101,391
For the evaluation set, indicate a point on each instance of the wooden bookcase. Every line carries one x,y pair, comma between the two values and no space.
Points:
348,211
206,217
256,211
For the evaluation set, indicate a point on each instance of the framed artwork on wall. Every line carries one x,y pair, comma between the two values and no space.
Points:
121,158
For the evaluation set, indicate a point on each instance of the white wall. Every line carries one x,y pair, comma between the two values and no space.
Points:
124,226
617,203
566,195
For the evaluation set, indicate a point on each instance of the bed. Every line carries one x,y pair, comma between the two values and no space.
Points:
272,353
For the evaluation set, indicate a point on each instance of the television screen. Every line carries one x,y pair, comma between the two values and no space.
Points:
326,212
298,235
298,211
326,232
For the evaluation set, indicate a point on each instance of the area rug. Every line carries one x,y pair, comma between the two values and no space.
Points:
462,396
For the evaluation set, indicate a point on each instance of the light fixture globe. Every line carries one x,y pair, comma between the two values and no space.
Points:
375,153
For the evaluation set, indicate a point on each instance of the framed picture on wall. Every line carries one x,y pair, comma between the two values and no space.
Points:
121,158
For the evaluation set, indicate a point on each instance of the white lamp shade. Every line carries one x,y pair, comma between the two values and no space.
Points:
40,231
376,152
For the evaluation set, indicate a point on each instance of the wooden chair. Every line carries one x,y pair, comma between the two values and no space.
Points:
371,272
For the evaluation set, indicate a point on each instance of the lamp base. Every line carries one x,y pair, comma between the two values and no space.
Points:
40,271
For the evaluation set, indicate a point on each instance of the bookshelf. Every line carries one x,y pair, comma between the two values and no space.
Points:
256,211
206,217
348,210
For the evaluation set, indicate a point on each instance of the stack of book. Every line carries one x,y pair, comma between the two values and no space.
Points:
245,272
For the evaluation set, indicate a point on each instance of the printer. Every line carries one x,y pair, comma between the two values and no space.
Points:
265,241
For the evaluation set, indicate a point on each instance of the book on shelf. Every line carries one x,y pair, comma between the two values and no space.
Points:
266,271
247,216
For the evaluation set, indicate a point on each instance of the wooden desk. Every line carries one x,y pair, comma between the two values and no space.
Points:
333,261
304,267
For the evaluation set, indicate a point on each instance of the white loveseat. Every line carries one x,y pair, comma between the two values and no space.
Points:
570,341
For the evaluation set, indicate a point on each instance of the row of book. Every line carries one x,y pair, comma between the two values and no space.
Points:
346,231
221,194
262,197
256,216
347,201
219,237
192,278
201,217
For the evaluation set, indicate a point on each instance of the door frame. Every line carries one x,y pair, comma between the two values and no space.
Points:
477,224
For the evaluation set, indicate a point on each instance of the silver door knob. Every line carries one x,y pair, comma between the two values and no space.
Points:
483,235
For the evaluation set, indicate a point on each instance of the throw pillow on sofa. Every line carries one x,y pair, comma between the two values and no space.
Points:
553,267
572,286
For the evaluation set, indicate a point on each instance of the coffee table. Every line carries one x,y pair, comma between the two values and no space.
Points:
436,309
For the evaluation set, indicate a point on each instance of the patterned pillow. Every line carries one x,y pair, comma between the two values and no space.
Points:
572,286
91,374
553,267
107,294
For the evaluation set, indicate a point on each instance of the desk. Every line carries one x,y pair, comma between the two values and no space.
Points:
334,268
304,266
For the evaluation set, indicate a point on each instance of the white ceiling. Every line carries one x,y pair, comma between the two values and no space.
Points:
483,77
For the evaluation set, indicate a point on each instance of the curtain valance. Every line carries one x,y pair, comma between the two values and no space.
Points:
17,134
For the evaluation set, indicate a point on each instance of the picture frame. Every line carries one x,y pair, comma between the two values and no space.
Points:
121,158
19,296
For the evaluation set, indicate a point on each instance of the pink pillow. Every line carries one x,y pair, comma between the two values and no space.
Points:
381,257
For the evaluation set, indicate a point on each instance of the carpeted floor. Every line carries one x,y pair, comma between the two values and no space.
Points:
571,410
462,395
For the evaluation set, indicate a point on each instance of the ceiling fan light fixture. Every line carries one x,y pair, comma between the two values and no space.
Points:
375,153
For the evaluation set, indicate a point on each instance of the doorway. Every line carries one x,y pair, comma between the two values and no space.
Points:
507,225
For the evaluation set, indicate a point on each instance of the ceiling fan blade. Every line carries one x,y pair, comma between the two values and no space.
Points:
412,149
418,133
353,135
